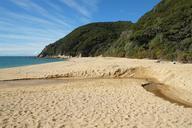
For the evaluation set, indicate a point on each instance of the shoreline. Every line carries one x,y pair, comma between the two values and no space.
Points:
107,67
26,61
92,88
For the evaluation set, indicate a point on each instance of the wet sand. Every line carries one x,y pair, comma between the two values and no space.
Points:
166,93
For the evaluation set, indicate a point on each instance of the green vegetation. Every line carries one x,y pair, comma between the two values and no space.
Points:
165,32
89,40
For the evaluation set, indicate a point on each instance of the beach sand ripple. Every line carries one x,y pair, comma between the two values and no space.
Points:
88,104
95,92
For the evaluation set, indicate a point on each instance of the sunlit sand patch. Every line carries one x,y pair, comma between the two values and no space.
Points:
96,92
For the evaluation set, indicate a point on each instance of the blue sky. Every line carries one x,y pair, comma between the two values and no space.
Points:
26,26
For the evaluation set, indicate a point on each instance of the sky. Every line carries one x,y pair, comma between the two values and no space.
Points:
27,26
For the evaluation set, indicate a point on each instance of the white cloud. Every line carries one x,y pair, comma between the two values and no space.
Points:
29,5
18,26
25,49
84,7
53,6
27,32
76,6
48,20
92,4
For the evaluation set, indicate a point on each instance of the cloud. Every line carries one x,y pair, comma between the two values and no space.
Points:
21,37
76,6
53,6
30,5
22,25
26,26
25,49
47,20
33,32
84,7
92,4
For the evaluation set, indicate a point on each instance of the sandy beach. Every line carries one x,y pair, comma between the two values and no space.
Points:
97,92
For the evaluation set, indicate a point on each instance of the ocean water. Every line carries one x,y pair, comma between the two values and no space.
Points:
16,61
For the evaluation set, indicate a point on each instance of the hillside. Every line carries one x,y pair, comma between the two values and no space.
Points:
89,40
165,32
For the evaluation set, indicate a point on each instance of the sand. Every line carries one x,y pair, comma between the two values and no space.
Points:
95,92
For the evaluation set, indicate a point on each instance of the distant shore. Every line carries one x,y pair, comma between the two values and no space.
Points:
57,57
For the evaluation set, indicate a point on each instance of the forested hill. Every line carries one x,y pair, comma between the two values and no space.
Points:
89,40
165,32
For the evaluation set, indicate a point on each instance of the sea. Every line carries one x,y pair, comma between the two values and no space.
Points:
17,61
